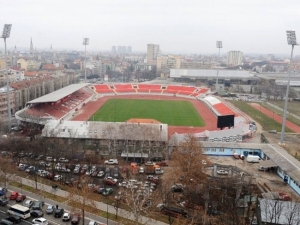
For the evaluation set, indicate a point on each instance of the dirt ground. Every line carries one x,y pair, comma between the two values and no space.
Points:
265,178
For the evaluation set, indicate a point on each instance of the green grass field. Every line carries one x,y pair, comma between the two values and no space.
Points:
266,122
174,113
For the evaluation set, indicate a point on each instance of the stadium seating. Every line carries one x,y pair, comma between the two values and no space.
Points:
62,107
223,109
149,88
124,88
102,88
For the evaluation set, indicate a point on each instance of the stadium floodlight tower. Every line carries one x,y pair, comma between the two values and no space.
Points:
6,34
85,43
219,46
291,39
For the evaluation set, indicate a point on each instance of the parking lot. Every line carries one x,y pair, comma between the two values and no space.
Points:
270,178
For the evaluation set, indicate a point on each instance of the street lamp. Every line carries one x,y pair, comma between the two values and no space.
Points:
85,43
5,34
219,46
291,39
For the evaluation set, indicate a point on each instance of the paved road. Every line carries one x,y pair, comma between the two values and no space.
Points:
99,205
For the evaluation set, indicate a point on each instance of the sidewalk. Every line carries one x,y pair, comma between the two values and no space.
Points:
99,205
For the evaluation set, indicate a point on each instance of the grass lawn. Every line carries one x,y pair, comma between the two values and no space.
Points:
266,122
293,106
174,113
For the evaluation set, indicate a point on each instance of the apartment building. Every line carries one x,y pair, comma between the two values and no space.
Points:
153,52
234,58
168,62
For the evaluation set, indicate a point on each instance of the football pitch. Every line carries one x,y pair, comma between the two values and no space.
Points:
173,113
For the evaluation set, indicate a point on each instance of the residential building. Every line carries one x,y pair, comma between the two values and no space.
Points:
153,52
195,65
2,63
168,62
234,58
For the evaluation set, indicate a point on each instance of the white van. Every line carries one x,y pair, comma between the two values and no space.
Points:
253,158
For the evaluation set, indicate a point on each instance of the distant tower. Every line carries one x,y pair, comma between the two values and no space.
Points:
15,50
31,47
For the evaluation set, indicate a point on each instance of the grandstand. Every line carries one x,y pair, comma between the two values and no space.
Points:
119,89
218,107
56,105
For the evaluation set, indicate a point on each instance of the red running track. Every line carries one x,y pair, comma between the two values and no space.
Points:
208,116
276,117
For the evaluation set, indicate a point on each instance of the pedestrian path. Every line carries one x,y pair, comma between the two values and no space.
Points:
99,205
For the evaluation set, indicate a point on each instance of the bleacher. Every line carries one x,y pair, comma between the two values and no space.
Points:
102,88
149,88
223,109
124,88
59,109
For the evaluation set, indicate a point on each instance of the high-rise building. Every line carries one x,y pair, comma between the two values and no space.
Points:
153,52
234,58
122,49
129,49
31,47
114,49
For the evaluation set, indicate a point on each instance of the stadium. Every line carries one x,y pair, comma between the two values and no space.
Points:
70,112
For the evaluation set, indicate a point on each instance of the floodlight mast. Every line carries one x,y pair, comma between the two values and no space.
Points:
6,34
291,39
219,46
85,43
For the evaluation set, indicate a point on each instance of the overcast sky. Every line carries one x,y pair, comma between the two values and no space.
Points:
178,26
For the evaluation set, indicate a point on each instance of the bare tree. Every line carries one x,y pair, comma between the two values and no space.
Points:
82,195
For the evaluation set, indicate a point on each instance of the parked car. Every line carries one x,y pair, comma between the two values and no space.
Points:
20,198
14,195
28,203
36,213
50,159
63,160
57,177
37,205
66,217
40,221
116,172
236,156
109,182
111,162
141,170
59,212
6,222
163,164
101,173
75,218
222,172
50,209
92,222
14,218
153,179
3,202
107,191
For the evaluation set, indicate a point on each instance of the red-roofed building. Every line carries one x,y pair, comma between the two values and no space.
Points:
49,67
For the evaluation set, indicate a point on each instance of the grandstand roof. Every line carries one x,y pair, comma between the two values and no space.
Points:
59,94
208,74
106,130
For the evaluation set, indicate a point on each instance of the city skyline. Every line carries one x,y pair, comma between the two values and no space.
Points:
189,28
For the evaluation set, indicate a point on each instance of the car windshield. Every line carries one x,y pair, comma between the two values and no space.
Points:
49,207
